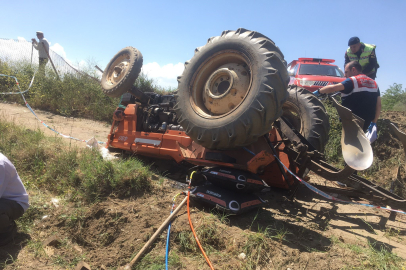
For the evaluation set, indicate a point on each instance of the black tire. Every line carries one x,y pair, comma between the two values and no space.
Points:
257,110
115,80
308,115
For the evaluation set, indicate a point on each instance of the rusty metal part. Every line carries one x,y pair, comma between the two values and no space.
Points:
300,150
292,116
226,88
292,134
332,175
356,148
266,136
260,161
221,84
118,115
313,160
358,183
399,134
351,192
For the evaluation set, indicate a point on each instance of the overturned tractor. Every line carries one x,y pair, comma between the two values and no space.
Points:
236,119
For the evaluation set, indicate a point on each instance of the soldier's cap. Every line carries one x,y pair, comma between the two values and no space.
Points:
39,32
353,41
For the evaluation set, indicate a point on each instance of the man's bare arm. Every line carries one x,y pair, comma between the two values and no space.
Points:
378,109
331,88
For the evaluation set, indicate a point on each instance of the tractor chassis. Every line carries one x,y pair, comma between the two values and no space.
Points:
283,142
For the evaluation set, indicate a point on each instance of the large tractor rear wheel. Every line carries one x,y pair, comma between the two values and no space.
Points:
232,90
121,72
308,116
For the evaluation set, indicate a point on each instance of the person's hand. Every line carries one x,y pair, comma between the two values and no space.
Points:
371,126
317,93
372,132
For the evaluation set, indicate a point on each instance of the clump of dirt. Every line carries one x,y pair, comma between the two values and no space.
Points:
110,232
389,153
387,145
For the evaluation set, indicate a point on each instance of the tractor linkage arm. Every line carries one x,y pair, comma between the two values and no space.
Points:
304,155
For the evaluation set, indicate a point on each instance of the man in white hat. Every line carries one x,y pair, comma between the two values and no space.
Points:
43,51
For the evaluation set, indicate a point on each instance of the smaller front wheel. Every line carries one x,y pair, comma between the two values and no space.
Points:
121,72
306,113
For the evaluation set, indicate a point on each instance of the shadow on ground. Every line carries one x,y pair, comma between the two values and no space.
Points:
9,252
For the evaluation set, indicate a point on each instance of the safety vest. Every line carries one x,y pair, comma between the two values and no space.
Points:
362,83
364,58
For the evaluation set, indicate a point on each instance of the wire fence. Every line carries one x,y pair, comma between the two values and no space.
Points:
19,50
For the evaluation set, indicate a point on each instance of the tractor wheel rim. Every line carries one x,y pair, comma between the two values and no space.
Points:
118,69
221,84
292,113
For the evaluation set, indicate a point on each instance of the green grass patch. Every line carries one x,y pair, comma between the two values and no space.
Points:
332,150
373,256
45,163
209,234
73,96
154,262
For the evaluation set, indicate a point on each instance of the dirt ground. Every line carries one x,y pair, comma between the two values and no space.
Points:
83,129
113,230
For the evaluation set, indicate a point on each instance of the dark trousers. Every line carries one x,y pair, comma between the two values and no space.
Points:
9,211
42,63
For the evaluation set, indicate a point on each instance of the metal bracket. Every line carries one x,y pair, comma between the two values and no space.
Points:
399,134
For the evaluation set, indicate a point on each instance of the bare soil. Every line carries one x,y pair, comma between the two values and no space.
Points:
109,233
83,129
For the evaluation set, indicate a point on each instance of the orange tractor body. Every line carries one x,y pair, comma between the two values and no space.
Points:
176,145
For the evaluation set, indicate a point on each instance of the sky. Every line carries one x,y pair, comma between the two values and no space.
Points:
167,32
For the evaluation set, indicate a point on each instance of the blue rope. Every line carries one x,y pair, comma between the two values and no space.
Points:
169,232
167,240
249,151
18,85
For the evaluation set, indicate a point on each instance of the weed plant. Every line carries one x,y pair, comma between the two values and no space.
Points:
150,262
332,150
48,164
373,256
74,95
209,234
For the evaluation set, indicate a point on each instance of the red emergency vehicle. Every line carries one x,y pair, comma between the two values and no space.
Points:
314,73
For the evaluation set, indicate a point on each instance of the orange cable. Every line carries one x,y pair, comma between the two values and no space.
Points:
193,230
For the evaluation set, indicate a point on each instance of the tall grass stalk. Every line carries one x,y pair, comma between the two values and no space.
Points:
74,95
49,164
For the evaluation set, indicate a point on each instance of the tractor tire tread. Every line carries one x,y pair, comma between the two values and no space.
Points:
128,80
243,129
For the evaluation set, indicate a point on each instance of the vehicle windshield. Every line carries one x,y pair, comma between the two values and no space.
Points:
320,70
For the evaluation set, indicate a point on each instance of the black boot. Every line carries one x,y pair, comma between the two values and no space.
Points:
8,235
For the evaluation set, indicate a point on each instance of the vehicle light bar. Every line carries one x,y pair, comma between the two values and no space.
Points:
316,60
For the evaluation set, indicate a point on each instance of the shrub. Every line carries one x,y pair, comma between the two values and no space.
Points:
394,98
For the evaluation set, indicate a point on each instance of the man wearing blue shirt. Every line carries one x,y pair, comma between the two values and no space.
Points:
359,93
